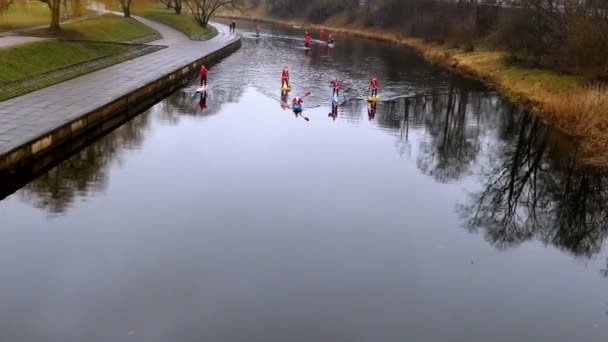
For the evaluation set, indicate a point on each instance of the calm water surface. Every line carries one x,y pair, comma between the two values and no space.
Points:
448,215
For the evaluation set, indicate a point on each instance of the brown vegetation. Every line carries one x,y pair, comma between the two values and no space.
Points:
583,112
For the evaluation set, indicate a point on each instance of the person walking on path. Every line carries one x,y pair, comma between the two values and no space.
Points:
203,74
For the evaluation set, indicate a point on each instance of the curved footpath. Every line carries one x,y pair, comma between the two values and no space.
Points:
35,123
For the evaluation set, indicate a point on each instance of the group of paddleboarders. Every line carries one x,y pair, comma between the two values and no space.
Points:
330,41
297,101
335,84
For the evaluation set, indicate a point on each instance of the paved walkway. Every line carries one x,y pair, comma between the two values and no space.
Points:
18,40
30,116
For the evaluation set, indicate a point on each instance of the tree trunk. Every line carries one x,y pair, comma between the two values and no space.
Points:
127,11
178,9
55,8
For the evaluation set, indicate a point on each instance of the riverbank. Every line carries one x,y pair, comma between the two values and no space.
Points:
565,101
36,124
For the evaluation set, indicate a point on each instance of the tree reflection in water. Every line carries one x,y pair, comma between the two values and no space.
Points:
86,172
532,189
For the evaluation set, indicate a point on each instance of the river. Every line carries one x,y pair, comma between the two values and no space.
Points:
449,214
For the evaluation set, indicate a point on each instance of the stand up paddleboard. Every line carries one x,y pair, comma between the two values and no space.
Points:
335,99
203,88
373,99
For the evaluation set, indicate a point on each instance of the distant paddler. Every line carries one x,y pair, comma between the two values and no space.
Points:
335,84
296,104
373,85
203,74
285,79
332,39
307,41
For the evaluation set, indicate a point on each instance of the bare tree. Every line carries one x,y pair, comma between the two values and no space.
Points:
4,4
126,7
174,4
55,8
202,10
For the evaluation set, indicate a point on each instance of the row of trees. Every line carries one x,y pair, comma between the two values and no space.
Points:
567,35
201,10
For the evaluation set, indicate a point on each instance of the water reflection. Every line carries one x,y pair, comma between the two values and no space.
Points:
532,189
86,172
189,103
252,217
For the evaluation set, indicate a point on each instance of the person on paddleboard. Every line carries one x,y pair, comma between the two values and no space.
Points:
297,100
332,39
306,34
257,31
335,84
203,74
307,41
322,35
285,77
373,85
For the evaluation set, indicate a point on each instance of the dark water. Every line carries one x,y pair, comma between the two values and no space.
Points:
450,215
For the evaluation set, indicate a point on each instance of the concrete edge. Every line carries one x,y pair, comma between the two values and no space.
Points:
111,114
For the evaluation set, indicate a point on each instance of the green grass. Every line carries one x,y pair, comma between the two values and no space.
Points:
21,61
24,14
105,28
183,22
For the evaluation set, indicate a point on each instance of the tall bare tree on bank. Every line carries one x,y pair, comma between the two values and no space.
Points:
4,4
176,5
202,10
76,7
55,8
126,7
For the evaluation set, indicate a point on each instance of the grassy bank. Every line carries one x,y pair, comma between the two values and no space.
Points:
21,15
22,61
64,60
109,27
182,22
579,109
